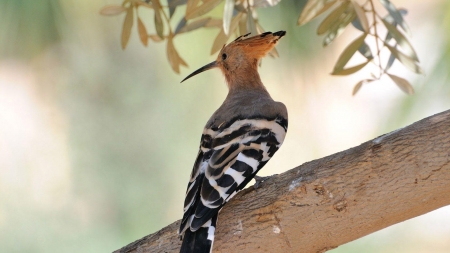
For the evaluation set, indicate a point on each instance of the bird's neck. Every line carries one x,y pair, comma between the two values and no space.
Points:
244,79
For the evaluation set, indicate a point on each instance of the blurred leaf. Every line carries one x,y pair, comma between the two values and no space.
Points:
265,3
202,9
180,25
243,24
251,26
159,25
351,70
339,26
190,5
173,4
357,24
143,35
364,49
361,16
155,38
313,9
347,54
405,60
112,10
396,15
390,62
214,23
174,58
401,40
332,18
227,15
194,25
403,84
359,85
126,29
222,38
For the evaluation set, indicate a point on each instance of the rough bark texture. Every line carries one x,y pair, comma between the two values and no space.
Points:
330,201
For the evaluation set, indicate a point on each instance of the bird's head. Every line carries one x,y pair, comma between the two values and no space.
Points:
239,59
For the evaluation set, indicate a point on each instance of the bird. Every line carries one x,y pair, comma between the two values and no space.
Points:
237,141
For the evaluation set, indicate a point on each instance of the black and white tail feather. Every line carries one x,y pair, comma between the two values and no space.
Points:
228,159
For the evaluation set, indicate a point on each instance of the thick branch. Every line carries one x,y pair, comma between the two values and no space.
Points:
330,201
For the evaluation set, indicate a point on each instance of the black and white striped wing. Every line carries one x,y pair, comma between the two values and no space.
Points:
228,159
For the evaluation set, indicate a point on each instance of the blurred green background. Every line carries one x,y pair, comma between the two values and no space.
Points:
97,144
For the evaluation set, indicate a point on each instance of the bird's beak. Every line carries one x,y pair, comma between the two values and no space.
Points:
202,69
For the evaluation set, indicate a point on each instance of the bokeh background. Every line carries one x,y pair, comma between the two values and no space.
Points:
97,143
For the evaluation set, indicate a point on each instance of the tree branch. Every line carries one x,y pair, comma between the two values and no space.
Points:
336,199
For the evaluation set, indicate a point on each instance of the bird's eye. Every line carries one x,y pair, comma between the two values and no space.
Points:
224,56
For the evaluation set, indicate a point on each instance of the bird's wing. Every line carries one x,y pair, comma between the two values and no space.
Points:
228,159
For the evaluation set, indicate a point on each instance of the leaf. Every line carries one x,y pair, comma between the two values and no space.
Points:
243,25
126,29
403,84
180,25
313,9
339,26
359,85
405,60
364,49
190,5
143,35
361,16
222,38
155,38
112,10
202,9
357,24
227,15
351,70
214,23
194,25
174,58
348,52
390,62
332,18
401,40
159,25
396,15
173,4
251,25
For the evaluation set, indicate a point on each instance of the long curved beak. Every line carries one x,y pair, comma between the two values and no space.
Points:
202,69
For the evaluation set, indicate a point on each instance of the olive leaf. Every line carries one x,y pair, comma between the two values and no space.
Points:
142,32
347,54
405,60
126,28
359,85
401,40
313,9
361,16
227,15
403,84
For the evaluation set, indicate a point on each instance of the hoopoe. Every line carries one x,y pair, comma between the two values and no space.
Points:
238,139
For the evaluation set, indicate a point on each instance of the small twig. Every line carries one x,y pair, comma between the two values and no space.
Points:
374,15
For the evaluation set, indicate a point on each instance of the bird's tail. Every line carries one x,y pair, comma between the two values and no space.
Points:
200,241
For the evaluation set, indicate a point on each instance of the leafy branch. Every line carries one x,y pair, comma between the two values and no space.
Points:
241,17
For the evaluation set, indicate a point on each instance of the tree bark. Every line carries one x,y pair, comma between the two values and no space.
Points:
336,199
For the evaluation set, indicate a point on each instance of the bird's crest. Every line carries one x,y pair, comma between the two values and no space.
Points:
243,51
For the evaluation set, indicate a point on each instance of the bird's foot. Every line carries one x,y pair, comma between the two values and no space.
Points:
259,180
